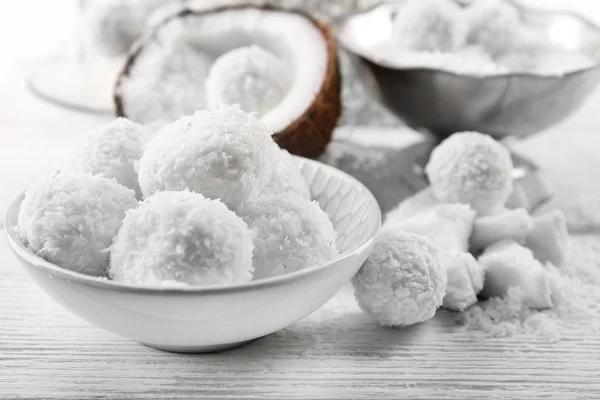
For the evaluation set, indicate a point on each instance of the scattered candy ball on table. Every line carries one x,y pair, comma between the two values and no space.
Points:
182,238
471,168
402,282
290,233
70,219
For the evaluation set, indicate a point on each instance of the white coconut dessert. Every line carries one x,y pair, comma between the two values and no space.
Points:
199,58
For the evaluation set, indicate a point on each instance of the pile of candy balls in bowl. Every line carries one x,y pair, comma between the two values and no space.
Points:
455,242
209,200
483,37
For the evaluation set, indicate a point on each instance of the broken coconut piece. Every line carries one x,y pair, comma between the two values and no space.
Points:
415,204
508,264
155,86
509,224
465,280
549,237
448,225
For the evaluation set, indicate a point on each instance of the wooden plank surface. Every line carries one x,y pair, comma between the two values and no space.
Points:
337,352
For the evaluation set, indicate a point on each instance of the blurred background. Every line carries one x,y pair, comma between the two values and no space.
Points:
36,36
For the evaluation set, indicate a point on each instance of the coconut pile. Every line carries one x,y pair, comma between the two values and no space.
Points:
481,37
455,242
209,200
206,58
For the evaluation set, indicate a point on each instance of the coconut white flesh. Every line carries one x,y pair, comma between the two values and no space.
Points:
549,237
415,204
161,85
448,225
509,224
465,280
508,264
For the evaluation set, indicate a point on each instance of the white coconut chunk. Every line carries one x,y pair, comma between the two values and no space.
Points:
448,225
421,201
549,238
510,224
148,90
249,76
163,85
508,264
465,280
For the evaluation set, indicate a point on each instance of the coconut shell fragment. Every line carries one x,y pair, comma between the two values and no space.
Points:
310,128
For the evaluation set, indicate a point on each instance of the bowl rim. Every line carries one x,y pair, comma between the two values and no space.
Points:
341,21
23,252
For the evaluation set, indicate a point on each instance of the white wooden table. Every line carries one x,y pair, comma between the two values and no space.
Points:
335,353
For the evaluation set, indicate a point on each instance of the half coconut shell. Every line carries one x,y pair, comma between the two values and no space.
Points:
309,131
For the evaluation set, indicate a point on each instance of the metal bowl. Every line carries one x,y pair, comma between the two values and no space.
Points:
443,102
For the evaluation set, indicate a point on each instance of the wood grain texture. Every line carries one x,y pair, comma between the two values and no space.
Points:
335,353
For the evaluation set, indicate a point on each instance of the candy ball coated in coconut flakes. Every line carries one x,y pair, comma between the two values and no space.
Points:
493,24
224,154
402,282
290,233
431,25
181,238
471,168
112,150
286,176
250,76
70,219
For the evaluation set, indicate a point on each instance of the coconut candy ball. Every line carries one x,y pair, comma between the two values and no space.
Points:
224,154
249,76
471,168
70,219
182,237
402,282
290,233
112,150
493,24
428,25
286,176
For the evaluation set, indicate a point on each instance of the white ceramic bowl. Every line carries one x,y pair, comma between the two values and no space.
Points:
202,319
